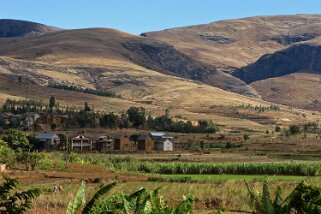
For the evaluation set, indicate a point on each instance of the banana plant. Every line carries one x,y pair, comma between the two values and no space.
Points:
14,201
304,199
79,200
138,202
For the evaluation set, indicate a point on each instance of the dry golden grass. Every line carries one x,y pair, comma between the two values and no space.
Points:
250,35
102,63
301,89
185,98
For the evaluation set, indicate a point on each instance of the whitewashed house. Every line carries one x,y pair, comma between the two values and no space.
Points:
163,142
81,143
164,145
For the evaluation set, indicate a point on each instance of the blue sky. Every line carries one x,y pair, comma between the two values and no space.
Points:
137,16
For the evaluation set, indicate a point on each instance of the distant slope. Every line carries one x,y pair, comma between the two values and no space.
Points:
266,52
291,76
71,46
15,28
183,98
232,44
300,89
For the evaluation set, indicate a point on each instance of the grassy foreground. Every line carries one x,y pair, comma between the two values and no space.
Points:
211,191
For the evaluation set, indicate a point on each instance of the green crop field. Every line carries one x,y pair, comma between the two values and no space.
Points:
197,177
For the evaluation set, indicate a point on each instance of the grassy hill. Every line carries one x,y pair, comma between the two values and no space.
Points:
300,89
143,71
231,44
87,48
265,52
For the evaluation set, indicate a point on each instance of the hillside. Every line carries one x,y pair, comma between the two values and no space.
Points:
290,76
298,57
185,99
143,71
231,44
109,59
301,89
264,52
72,45
16,28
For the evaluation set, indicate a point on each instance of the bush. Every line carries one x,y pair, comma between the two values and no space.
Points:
16,140
35,158
45,164
246,136
295,129
7,155
103,93
303,199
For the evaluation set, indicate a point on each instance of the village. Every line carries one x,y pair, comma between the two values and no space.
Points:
56,128
155,141
50,141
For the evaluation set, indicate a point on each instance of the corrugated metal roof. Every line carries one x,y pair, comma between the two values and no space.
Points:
157,134
47,135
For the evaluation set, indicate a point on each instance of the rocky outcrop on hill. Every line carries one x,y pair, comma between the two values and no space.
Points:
303,56
232,44
161,56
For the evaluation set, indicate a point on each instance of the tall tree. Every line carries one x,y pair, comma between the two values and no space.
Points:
110,120
52,103
87,108
137,116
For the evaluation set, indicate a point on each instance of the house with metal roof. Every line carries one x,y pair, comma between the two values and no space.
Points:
49,141
163,142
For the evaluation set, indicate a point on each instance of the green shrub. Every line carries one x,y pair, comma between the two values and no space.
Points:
45,164
7,155
295,129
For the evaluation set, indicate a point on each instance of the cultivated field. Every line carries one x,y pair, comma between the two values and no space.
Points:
212,191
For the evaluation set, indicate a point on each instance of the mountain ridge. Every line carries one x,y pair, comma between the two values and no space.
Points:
219,54
10,28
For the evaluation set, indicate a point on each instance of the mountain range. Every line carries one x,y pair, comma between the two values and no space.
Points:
195,70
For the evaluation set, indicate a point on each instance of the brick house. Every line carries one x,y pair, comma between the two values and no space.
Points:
105,144
145,143
122,143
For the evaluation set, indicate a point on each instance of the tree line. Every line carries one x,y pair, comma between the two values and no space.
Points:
103,92
137,117
134,117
